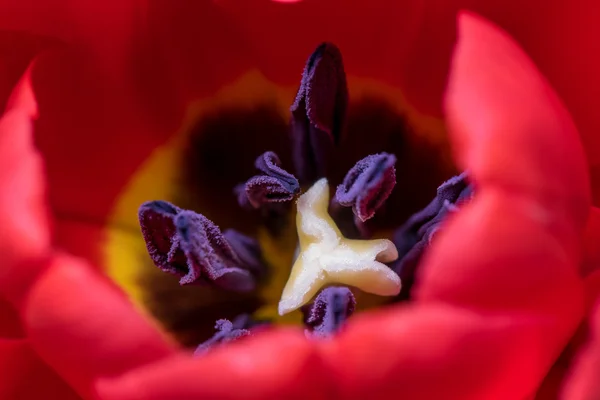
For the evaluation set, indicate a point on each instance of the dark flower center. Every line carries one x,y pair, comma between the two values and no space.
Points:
383,174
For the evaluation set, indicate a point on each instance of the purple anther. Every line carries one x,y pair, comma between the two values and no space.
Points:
318,112
331,308
413,238
368,185
273,185
191,246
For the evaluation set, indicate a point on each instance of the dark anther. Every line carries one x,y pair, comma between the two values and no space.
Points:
413,238
230,331
189,245
368,185
318,112
273,185
247,250
331,308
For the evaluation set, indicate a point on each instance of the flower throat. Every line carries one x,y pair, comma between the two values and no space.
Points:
365,204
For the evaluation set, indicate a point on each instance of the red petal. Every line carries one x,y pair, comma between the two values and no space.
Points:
591,254
107,138
408,44
570,63
116,93
85,328
254,368
25,376
583,383
23,236
24,232
106,26
382,357
10,323
510,256
88,114
582,379
378,50
500,295
509,130
16,53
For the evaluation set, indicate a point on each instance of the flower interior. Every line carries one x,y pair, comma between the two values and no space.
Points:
318,232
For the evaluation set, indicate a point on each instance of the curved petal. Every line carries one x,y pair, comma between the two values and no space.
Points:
570,63
24,232
69,20
490,99
591,253
582,381
114,87
377,50
24,237
43,293
17,50
18,364
408,44
126,91
10,323
98,334
500,287
91,43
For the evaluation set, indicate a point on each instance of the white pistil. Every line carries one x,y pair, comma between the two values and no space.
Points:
326,257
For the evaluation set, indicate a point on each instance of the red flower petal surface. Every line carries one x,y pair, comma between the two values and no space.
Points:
10,323
116,89
25,376
24,232
582,379
591,260
23,236
499,296
582,382
130,69
411,320
86,328
65,306
582,346
409,43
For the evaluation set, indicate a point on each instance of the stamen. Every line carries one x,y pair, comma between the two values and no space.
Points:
189,245
248,251
318,112
413,238
227,331
274,185
331,308
368,185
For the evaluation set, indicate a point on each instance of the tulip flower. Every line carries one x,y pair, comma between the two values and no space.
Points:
498,292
